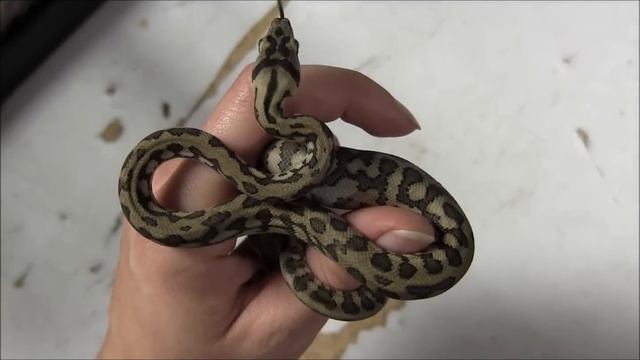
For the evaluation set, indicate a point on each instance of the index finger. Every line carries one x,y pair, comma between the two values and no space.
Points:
326,93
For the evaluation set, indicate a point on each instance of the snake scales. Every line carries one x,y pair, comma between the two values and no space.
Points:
282,206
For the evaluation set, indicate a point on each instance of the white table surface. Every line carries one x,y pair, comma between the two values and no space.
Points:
500,90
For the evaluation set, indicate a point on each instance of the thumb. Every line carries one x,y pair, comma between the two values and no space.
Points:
396,230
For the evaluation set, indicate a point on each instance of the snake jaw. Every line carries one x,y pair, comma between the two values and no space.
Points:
279,44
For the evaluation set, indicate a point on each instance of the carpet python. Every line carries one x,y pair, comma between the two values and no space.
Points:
283,203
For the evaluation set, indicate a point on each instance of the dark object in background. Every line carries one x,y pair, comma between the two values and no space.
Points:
31,31
11,11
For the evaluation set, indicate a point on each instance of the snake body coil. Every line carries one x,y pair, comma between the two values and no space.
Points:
305,173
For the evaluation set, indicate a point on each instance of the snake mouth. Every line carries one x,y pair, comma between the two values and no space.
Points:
280,28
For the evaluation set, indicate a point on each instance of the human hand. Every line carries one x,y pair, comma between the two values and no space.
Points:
197,303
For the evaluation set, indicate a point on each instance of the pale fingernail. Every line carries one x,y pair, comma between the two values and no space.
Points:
411,117
405,241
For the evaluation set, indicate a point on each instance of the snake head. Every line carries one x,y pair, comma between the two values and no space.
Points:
278,47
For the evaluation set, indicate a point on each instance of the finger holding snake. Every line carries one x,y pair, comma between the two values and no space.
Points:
327,93
285,200
210,283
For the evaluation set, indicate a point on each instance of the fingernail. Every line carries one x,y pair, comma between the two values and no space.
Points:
404,241
410,115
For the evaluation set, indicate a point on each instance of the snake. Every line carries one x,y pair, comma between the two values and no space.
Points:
284,203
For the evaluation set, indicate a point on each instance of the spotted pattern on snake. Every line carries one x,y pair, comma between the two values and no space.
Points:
283,203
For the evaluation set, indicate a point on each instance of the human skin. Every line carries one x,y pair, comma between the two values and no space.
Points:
197,303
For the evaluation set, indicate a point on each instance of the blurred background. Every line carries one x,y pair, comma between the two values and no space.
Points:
529,115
